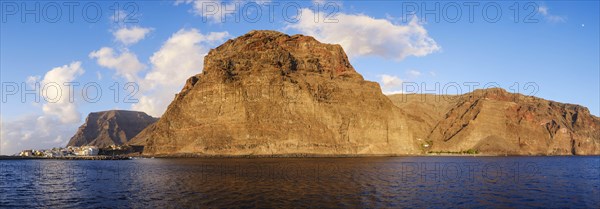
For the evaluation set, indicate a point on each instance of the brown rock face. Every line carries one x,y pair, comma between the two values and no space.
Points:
106,128
494,121
269,93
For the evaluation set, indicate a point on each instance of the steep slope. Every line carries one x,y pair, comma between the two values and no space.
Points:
494,121
424,109
110,127
269,93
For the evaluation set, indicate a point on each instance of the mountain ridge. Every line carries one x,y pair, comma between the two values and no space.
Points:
268,93
495,121
110,127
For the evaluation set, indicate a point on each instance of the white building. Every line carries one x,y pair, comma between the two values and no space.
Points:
49,153
88,151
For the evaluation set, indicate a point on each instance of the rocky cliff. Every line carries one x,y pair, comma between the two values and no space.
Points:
267,93
497,122
270,93
110,127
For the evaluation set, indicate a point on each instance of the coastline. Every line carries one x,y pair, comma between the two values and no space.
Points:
190,155
204,156
100,157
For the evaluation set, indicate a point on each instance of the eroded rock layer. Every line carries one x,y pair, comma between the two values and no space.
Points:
494,121
268,93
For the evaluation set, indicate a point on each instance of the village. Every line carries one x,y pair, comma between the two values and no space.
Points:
62,152
82,152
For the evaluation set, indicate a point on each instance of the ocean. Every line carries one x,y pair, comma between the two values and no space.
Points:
371,182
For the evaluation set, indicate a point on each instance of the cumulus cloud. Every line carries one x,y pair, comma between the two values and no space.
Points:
57,91
125,64
179,58
98,75
413,73
363,35
31,80
59,119
545,11
59,97
33,132
390,84
390,81
182,53
131,35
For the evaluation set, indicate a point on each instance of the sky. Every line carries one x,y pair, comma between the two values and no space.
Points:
61,60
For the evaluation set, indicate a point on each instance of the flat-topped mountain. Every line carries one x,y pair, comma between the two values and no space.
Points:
494,121
267,93
110,127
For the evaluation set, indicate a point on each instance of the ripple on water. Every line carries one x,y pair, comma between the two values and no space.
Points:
284,183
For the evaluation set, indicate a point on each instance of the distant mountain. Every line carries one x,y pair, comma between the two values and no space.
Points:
494,121
110,127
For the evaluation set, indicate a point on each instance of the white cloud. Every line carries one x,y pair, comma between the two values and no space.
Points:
392,92
118,17
131,35
390,81
126,64
60,100
363,35
155,103
34,132
550,17
413,73
98,75
33,79
179,58
183,52
543,10
390,84
59,118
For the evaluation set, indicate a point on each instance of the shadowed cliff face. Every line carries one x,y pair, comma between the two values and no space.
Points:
269,93
110,127
494,121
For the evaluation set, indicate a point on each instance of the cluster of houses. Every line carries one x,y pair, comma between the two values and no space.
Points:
62,152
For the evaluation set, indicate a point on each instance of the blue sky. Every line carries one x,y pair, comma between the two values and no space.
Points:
552,45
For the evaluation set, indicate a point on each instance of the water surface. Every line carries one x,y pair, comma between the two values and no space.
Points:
418,182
